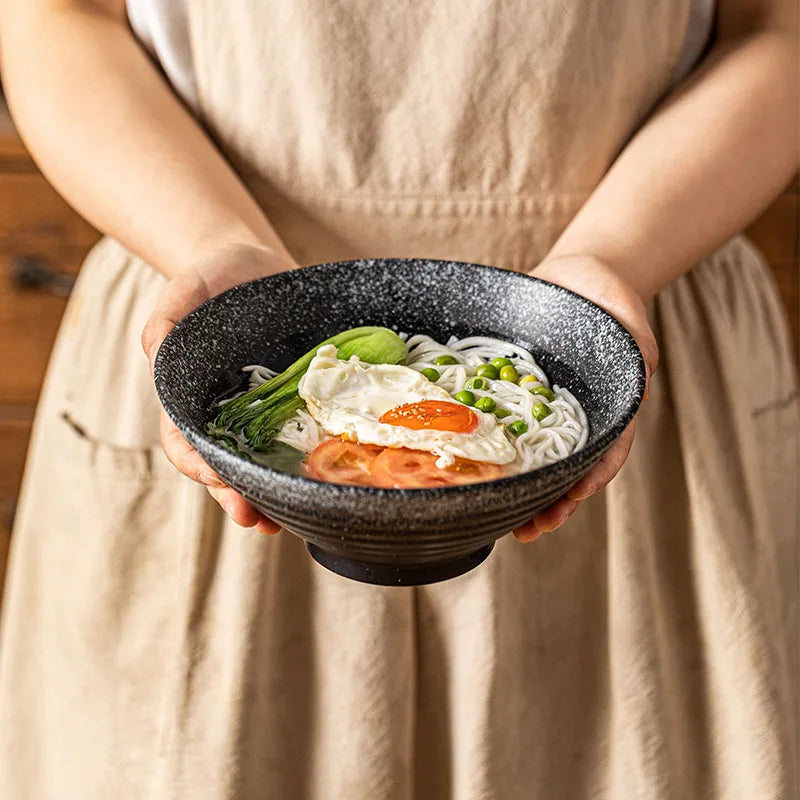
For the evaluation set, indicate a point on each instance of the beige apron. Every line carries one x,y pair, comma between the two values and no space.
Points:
152,649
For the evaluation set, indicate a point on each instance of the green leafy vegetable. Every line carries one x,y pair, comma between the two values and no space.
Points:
251,421
382,346
280,456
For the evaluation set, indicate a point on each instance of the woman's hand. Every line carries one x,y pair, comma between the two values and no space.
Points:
597,281
221,269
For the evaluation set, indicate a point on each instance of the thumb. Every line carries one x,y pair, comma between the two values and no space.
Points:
181,295
154,333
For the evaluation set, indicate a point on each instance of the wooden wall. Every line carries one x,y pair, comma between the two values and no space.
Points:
34,221
777,233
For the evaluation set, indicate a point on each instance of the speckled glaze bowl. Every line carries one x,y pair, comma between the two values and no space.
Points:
389,536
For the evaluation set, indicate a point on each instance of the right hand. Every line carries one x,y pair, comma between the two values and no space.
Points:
221,269
600,282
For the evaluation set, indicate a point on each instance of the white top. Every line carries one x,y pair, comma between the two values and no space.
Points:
161,26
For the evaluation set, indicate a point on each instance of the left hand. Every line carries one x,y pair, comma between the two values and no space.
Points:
597,281
213,273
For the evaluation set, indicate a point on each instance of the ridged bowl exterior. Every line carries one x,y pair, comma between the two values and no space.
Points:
274,320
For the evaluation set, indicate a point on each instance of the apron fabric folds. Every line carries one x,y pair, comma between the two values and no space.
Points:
152,649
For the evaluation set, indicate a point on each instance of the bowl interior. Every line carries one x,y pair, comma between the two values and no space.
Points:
274,320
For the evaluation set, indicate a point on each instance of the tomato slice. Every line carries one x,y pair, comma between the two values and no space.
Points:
336,461
402,468
437,415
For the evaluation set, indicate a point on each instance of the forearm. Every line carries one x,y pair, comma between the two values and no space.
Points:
114,140
706,163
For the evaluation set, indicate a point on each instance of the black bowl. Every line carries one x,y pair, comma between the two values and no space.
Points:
389,536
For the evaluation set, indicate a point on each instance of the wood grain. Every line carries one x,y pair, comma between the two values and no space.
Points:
5,544
777,234
777,230
13,154
15,427
34,221
33,216
29,320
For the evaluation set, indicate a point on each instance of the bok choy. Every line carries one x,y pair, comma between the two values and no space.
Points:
251,421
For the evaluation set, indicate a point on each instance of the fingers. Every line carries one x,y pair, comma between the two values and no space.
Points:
184,457
548,520
647,344
628,308
267,526
188,461
527,533
155,331
598,477
241,512
606,468
180,296
235,506
221,269
600,282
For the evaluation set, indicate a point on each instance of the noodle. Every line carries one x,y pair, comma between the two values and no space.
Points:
303,432
562,432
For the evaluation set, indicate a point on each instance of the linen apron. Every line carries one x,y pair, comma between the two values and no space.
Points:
152,649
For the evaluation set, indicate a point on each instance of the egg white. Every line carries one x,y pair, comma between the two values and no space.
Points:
347,398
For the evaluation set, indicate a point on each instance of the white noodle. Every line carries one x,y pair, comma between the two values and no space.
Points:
258,374
563,432
302,431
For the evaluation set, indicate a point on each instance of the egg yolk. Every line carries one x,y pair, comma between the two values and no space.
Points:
435,415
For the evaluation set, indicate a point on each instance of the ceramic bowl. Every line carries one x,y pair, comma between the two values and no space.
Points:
389,536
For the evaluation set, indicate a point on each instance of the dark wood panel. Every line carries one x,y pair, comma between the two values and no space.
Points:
13,155
33,215
5,543
29,320
776,231
15,428
777,234
787,276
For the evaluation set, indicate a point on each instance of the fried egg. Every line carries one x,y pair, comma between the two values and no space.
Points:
395,406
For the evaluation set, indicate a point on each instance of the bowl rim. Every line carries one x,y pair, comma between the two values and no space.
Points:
300,482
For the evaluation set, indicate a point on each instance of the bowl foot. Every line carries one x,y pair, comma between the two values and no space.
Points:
385,575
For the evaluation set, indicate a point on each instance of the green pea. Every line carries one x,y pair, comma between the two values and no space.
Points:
485,404
540,411
487,371
528,379
475,383
509,374
431,374
544,392
501,362
518,427
502,413
466,397
444,360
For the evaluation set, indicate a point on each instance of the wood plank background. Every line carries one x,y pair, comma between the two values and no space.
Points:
35,221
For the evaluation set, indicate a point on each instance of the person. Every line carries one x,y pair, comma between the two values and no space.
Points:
155,644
